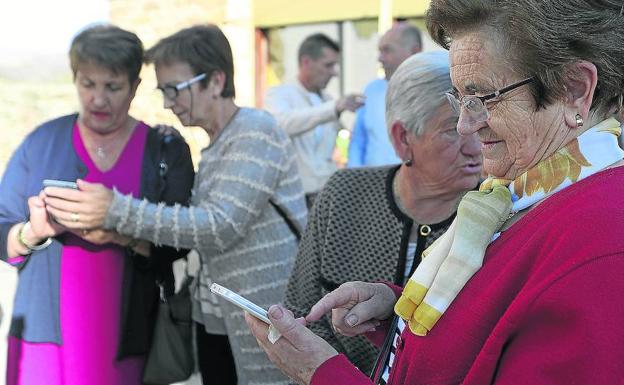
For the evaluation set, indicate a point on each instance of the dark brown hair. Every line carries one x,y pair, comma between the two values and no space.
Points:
203,47
108,46
541,38
313,46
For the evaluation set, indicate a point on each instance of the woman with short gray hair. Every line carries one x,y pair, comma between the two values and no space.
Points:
372,224
418,91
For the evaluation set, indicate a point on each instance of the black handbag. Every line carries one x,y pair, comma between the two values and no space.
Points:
170,358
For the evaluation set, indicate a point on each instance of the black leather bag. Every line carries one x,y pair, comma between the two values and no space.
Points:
170,358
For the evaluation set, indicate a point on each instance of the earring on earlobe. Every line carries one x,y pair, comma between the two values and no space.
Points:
579,120
408,163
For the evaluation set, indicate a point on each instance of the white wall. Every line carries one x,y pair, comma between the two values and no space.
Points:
359,56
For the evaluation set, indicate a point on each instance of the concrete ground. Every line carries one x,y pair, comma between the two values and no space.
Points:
194,380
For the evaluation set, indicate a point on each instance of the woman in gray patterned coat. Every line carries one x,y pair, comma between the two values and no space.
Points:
246,172
372,224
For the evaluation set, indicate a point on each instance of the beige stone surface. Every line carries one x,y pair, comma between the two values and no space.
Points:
24,104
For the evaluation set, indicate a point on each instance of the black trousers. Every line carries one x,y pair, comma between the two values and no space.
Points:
216,363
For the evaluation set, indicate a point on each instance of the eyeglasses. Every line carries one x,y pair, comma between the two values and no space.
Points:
475,105
172,92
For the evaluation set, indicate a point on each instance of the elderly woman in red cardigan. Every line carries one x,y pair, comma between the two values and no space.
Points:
523,287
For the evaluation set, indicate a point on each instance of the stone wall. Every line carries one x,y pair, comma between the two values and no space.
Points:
24,104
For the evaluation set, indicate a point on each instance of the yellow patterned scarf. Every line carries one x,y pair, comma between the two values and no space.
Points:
453,259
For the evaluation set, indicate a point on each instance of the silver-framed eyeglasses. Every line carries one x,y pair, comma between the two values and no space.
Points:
475,106
171,92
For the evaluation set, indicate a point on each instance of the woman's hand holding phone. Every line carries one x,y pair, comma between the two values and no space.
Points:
299,352
42,225
84,208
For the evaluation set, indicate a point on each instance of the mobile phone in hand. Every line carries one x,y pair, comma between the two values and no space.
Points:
59,183
241,302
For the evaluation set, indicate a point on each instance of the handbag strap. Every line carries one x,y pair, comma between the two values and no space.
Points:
289,222
384,353
163,168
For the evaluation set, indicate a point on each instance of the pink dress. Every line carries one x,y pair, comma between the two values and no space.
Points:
90,298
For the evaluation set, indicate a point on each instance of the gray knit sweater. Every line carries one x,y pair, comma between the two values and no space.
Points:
244,244
355,233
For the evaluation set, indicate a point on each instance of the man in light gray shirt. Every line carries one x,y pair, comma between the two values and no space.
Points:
309,115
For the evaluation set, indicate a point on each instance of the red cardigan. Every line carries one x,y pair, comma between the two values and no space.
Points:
544,308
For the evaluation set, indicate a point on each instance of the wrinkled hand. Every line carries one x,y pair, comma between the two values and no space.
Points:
165,129
84,208
299,352
350,102
42,225
357,307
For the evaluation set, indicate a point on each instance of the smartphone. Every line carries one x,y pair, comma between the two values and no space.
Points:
59,183
241,302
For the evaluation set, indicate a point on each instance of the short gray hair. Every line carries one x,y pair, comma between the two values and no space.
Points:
417,89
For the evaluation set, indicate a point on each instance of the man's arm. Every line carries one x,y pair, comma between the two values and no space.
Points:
297,120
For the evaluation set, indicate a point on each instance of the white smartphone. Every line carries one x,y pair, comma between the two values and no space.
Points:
241,302
59,183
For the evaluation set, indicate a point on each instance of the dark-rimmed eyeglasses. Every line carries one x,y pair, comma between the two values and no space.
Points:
172,92
475,106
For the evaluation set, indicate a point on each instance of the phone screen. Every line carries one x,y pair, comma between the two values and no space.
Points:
59,183
241,302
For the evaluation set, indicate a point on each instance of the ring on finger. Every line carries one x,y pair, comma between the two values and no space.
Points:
85,232
75,217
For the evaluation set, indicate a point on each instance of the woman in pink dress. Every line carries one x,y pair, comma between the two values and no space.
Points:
86,300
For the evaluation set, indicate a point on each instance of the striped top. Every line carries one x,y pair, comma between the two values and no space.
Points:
243,243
